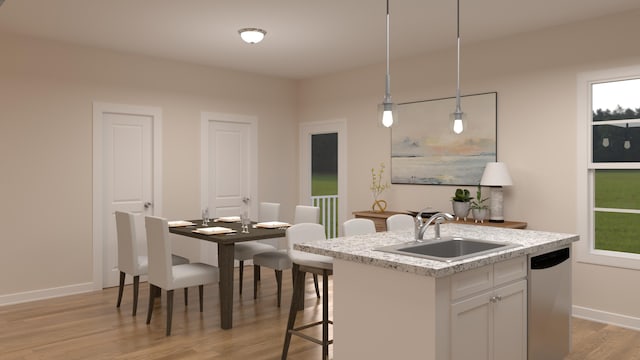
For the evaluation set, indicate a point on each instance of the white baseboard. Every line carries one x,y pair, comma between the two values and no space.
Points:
606,317
43,294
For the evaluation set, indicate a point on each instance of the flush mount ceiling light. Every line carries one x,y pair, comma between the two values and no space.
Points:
458,123
252,35
387,111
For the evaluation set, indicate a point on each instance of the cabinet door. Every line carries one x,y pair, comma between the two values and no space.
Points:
471,328
510,322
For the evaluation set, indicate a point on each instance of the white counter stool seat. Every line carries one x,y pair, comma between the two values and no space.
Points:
399,222
304,263
129,261
358,226
243,251
276,260
164,275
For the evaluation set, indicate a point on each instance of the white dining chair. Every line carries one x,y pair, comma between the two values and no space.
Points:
306,214
129,260
303,263
358,226
246,250
164,275
399,222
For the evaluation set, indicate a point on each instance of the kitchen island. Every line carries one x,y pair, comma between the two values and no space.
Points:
395,306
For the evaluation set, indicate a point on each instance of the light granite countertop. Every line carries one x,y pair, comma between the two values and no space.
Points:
360,248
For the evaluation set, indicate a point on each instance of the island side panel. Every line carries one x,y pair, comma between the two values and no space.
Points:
383,313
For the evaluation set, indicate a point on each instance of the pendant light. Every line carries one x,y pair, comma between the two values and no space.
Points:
387,111
458,123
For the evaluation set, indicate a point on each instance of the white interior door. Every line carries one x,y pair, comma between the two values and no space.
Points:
127,177
229,168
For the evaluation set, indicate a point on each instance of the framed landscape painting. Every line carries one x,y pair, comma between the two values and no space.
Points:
425,150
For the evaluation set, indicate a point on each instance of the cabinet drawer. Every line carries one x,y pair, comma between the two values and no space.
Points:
509,270
468,282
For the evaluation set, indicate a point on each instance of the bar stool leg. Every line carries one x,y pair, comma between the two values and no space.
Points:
325,315
293,310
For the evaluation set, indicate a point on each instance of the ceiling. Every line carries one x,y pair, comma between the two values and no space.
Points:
304,38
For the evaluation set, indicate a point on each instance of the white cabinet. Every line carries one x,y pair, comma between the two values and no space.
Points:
489,312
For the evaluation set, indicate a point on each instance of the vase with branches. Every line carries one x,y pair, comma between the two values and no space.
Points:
377,188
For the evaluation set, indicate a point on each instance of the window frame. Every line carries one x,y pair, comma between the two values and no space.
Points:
585,185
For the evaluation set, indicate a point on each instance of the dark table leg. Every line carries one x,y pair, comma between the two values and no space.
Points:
225,264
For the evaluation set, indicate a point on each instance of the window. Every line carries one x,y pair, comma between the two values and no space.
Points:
610,216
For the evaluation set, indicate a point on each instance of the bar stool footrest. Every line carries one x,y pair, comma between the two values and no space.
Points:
298,332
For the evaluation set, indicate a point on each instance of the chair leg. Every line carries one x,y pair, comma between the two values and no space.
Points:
152,297
256,272
325,315
279,282
293,310
241,274
201,293
136,286
186,296
169,310
120,288
315,283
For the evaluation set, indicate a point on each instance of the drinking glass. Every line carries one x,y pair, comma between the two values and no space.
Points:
205,217
245,221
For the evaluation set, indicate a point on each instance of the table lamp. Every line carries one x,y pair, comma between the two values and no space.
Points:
496,176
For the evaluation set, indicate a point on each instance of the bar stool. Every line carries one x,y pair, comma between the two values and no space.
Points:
317,265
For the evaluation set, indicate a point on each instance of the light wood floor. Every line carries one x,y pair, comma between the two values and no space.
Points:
89,326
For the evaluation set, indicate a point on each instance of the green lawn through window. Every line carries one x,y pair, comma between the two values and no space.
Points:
617,189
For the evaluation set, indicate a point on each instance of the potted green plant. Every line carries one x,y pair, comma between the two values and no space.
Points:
479,208
461,202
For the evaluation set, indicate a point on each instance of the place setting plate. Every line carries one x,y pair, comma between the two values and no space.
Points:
214,230
180,223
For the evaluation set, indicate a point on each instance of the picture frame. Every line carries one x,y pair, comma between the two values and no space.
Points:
426,151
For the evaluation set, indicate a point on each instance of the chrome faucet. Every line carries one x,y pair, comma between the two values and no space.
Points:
436,219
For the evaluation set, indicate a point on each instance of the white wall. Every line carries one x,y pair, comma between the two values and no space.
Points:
46,95
535,76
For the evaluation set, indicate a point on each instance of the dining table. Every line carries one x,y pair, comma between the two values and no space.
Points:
226,244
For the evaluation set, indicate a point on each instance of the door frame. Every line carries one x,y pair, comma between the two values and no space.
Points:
324,127
205,118
100,108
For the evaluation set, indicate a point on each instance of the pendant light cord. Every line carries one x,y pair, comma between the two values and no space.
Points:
387,95
458,110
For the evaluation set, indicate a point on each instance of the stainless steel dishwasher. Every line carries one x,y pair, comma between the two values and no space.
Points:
549,291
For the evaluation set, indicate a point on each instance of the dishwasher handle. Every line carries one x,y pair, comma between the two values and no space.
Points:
550,259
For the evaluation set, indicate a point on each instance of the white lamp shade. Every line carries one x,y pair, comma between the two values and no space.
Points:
252,35
496,174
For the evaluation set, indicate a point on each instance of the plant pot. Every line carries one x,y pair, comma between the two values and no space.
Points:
479,214
461,209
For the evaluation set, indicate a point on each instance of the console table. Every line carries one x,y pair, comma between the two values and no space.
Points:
380,220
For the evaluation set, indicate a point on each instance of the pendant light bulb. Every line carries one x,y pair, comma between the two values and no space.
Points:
627,144
387,116
458,127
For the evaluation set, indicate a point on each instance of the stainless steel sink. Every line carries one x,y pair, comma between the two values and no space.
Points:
447,249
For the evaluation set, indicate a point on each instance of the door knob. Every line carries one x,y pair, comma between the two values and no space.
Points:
147,205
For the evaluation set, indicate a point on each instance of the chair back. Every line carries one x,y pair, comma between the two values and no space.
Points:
358,226
400,222
127,243
304,232
269,212
306,214
160,271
